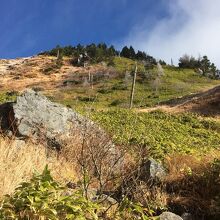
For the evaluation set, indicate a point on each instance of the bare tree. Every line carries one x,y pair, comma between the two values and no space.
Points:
133,87
157,81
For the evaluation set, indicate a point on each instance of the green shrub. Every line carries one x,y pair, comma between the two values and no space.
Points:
161,133
87,99
44,198
8,96
119,86
134,211
104,91
116,102
48,70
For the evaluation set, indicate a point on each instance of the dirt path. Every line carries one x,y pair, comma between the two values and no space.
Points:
205,103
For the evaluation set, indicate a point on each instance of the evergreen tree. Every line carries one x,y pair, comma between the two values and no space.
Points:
131,53
205,64
128,52
140,55
125,52
162,62
112,51
100,52
213,68
68,51
187,61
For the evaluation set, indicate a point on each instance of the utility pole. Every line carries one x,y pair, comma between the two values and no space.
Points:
133,87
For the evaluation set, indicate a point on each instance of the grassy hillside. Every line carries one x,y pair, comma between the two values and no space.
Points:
161,133
150,89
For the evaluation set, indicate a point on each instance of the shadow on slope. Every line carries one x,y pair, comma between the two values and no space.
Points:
206,103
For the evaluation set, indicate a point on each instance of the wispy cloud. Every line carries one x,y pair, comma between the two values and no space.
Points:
191,27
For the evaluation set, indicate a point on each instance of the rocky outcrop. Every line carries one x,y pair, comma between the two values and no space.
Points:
33,115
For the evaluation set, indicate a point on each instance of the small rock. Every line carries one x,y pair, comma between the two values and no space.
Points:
152,170
169,216
91,194
9,133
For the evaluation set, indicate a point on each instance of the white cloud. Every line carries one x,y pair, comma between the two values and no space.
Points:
192,27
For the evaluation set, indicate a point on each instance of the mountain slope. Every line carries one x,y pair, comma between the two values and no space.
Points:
206,103
99,85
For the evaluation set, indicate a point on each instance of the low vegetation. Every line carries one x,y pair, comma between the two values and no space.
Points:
9,96
205,66
149,91
161,133
44,197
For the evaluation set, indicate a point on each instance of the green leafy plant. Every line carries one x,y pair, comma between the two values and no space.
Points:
116,102
161,133
132,210
43,198
9,96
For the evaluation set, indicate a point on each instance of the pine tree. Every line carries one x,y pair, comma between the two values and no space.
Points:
131,53
125,52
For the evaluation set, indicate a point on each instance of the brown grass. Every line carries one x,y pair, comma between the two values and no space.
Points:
31,73
193,184
17,164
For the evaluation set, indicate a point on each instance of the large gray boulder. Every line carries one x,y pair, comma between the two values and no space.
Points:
34,116
169,216
34,112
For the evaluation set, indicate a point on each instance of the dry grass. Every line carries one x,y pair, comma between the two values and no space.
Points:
181,165
31,73
17,164
193,184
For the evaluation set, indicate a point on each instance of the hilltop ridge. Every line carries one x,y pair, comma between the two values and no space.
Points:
104,85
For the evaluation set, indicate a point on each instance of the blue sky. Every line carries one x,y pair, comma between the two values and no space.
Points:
163,28
30,26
